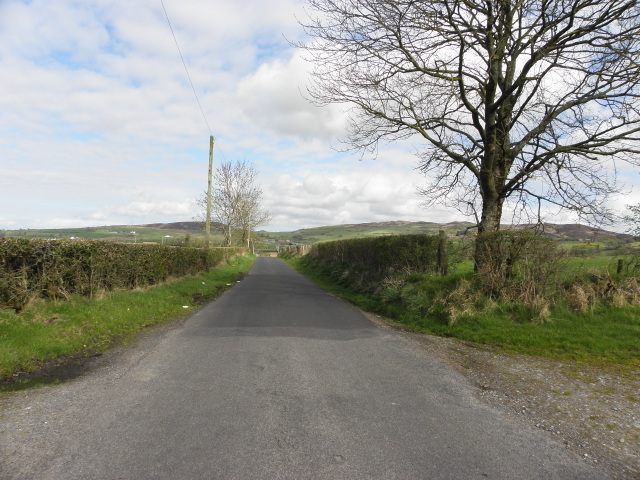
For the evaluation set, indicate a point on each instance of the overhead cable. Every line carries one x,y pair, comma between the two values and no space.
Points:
185,68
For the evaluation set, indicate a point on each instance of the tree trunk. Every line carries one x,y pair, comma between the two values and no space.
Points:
491,215
227,235
246,236
489,223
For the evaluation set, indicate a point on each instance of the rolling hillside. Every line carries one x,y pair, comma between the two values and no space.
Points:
573,232
169,233
178,232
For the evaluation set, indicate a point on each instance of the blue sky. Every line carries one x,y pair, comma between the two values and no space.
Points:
99,124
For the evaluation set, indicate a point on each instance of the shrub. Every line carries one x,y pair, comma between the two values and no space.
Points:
517,265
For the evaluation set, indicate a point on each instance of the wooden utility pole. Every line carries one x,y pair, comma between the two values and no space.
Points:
209,187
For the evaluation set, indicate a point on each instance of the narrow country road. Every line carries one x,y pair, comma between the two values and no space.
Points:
275,380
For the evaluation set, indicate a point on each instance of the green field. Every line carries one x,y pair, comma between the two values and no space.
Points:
180,232
578,234
364,230
168,234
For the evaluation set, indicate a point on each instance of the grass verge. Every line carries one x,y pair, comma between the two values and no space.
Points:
82,326
449,306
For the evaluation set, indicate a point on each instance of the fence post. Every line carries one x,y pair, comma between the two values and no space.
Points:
441,260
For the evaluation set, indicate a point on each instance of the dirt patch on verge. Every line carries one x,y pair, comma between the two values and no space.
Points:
590,409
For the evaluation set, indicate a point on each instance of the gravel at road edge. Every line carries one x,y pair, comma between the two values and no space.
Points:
592,410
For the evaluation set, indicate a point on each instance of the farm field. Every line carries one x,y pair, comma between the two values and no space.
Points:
178,233
169,234
567,233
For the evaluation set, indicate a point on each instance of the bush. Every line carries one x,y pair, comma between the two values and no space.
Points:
517,265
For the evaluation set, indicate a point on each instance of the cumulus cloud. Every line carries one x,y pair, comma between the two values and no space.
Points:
158,207
274,97
358,192
100,124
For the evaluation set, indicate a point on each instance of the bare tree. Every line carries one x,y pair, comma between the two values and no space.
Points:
251,214
530,102
632,219
236,200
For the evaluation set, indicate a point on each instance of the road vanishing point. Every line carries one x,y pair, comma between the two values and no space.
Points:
276,379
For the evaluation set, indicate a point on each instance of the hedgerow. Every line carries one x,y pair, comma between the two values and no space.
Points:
58,269
380,256
367,263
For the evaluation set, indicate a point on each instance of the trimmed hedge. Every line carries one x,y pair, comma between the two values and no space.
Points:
381,256
57,269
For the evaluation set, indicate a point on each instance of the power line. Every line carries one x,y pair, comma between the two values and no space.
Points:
222,153
185,68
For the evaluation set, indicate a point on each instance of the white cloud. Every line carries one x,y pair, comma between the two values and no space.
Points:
100,125
273,96
353,192
157,207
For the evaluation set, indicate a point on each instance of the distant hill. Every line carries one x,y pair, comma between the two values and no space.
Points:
573,232
196,227
166,233
577,233
176,232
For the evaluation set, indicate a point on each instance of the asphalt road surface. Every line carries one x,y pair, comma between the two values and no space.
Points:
275,380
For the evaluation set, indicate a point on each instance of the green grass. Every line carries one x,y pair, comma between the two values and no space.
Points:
345,232
118,233
81,326
571,267
609,335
